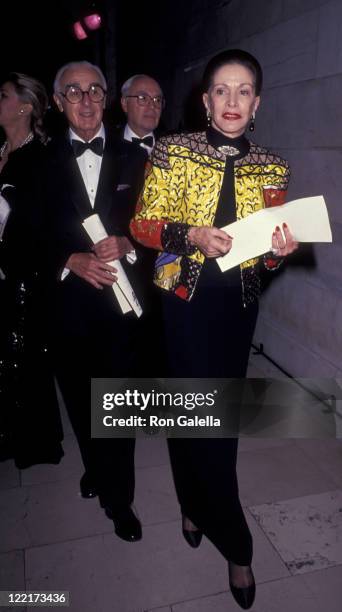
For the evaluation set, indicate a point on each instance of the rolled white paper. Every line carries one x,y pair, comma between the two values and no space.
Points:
122,288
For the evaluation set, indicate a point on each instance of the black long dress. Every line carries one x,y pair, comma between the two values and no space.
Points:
30,422
214,331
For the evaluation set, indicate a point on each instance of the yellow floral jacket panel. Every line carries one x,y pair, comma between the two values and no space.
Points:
182,189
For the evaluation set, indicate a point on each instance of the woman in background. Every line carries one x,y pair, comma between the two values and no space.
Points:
30,424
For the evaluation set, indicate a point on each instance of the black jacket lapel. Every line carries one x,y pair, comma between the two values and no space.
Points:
120,179
75,189
108,181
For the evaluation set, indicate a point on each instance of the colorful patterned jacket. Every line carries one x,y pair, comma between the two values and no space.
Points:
182,189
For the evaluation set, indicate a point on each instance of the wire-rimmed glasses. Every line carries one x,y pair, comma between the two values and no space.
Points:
145,100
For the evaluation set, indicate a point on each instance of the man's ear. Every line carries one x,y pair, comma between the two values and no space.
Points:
58,103
124,104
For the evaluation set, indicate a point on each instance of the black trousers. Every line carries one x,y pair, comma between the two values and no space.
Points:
109,462
204,471
210,337
92,340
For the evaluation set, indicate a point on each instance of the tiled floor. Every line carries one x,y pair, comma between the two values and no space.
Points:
52,539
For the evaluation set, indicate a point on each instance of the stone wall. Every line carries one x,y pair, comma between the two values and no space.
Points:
299,45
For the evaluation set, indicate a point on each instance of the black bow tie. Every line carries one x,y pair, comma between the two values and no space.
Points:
95,145
147,140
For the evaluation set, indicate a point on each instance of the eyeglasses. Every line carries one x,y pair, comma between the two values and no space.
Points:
145,99
75,94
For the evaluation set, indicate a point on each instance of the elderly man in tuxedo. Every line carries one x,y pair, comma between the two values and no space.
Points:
142,101
90,171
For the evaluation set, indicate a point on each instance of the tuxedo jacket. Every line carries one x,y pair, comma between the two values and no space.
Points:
79,309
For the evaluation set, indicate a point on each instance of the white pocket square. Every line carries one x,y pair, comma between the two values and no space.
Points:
122,187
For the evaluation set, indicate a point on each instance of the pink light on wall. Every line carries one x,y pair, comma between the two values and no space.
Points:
93,22
79,31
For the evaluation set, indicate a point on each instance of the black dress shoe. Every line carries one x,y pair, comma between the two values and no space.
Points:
244,596
87,486
126,525
192,536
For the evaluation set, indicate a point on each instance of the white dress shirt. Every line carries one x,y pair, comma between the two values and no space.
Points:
89,164
129,134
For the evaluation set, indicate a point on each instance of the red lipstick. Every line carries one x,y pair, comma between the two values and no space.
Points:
231,116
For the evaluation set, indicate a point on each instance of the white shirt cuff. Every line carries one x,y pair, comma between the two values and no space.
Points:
64,273
131,257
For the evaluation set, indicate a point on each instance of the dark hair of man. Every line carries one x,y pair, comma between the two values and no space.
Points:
233,56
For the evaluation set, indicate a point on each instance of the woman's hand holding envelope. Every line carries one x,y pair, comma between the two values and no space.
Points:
283,243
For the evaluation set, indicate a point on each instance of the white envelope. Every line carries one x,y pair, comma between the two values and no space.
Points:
306,218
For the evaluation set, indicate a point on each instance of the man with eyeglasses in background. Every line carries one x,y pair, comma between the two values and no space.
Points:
142,101
90,171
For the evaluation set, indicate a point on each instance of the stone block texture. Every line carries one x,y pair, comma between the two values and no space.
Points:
299,45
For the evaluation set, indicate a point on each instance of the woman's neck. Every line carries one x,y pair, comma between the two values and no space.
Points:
223,136
16,137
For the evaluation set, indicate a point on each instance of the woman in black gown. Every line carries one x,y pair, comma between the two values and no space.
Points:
198,183
30,424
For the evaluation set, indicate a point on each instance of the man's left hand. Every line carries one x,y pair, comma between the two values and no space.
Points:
113,247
